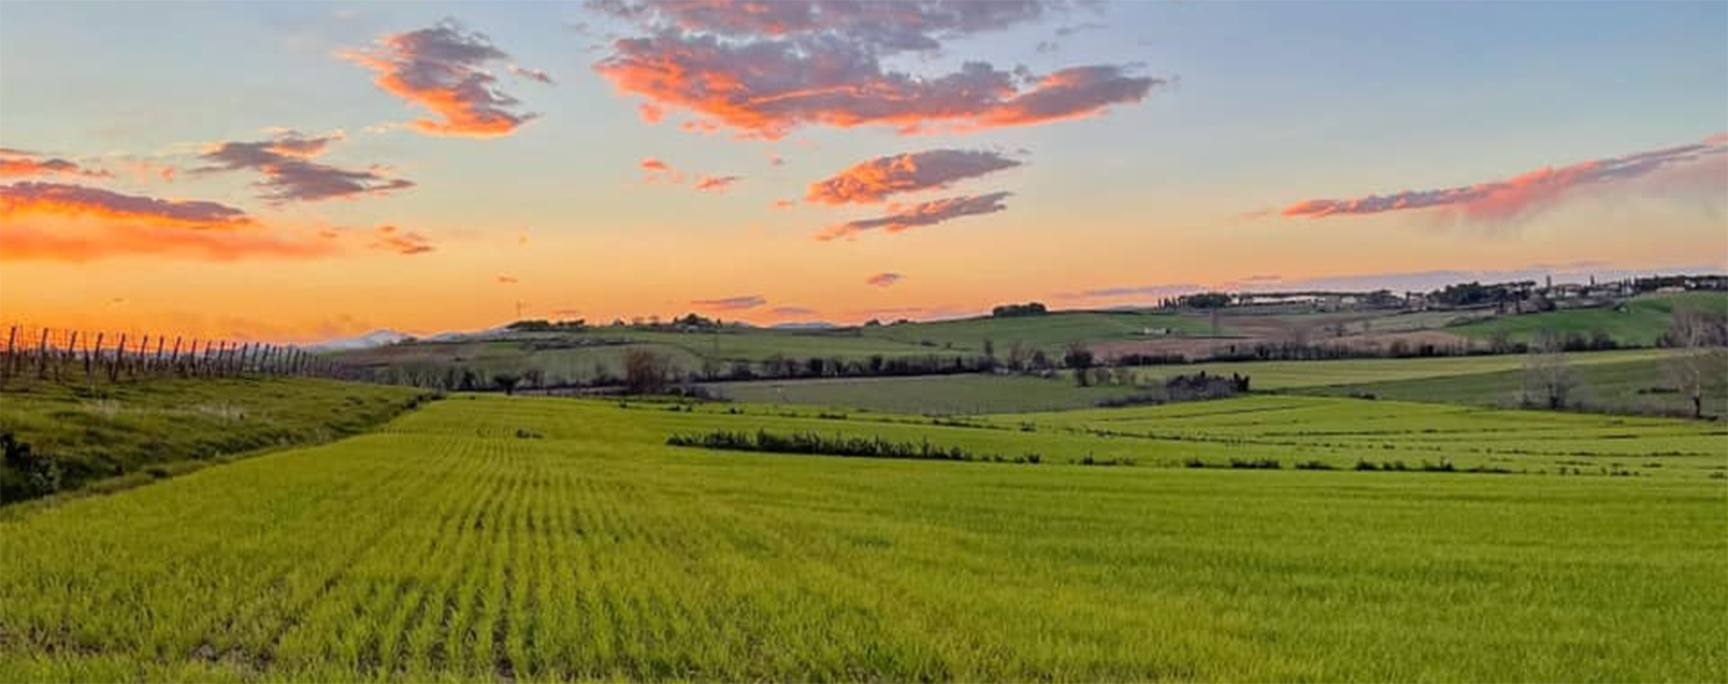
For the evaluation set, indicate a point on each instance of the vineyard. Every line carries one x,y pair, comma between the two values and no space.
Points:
490,538
67,355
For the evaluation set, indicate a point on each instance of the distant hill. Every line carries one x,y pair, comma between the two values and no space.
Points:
376,338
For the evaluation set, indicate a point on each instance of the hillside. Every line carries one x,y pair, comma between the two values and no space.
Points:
1638,322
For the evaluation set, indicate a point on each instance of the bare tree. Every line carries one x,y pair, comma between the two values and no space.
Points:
1700,365
1549,381
645,372
1079,358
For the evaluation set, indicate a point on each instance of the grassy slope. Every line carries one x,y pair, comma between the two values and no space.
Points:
1049,332
446,548
938,395
1619,387
1642,321
111,430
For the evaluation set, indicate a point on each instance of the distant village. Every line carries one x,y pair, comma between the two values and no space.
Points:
1517,297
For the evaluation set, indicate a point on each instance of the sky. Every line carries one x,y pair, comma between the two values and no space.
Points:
299,171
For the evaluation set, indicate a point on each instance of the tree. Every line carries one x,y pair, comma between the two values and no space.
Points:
1700,366
1019,355
506,381
534,377
1080,359
645,372
1549,380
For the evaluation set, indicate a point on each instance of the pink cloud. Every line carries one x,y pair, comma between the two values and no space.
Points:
443,69
716,183
1502,199
901,218
874,180
764,69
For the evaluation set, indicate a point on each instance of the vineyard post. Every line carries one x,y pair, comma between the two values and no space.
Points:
42,356
119,358
174,356
11,353
192,358
161,341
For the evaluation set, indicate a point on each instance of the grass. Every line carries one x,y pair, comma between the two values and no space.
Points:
931,395
106,431
1050,332
1640,386
1276,375
448,547
1638,322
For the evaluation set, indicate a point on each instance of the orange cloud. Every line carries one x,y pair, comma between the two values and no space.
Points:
657,171
391,239
55,222
1510,197
716,183
764,78
929,213
443,69
506,280
19,163
27,199
874,180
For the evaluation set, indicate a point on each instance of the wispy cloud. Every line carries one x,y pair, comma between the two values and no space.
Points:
884,279
444,69
764,69
929,213
738,303
60,199
716,183
289,172
506,280
876,179
1502,199
392,239
19,163
1157,290
793,311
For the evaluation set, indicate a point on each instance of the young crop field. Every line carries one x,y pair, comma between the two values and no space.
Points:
1277,375
935,395
493,538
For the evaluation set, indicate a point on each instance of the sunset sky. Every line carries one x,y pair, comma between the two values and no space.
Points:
303,171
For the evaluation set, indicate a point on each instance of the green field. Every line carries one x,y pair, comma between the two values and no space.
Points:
1630,387
1050,332
109,431
938,395
544,539
1640,321
1274,375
